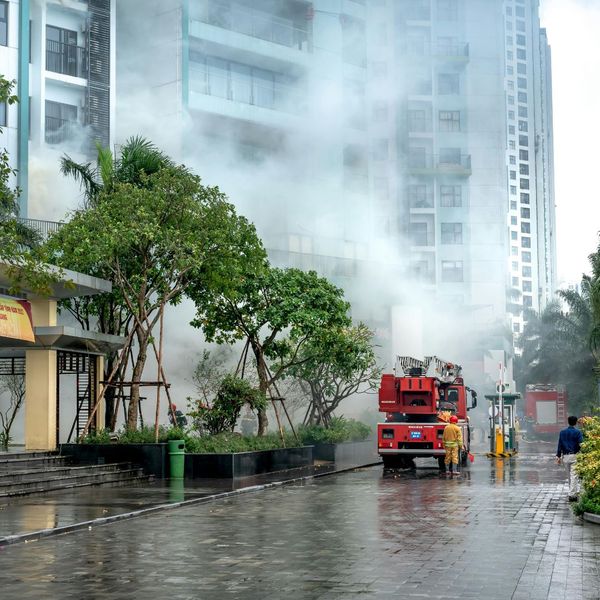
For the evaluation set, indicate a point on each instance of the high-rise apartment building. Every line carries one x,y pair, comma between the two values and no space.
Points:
61,56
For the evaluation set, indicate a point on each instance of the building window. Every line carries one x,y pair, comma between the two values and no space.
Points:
448,84
525,213
452,233
526,271
449,120
450,196
509,40
513,220
527,301
523,113
418,234
524,183
447,10
511,100
3,109
521,82
513,190
509,55
524,169
452,271
511,115
523,140
512,144
525,228
511,130
380,111
513,235
520,25
522,68
521,54
418,196
510,70
509,26
516,328
527,257
380,149
63,55
521,41
509,11
417,121
523,154
513,205
450,156
525,242
527,286
510,84
524,198
3,23
513,174
512,159
523,126
522,97
515,265
61,122
514,251
520,11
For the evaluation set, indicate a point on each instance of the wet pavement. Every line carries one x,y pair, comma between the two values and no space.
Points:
502,530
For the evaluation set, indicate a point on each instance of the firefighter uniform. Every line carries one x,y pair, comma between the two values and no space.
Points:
453,442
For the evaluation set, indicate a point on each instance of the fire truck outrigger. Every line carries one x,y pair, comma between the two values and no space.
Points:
418,401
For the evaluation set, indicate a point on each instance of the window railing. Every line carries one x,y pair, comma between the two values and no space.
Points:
421,200
419,125
240,19
66,59
451,50
59,130
444,161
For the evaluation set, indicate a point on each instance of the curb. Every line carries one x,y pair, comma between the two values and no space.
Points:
591,518
65,529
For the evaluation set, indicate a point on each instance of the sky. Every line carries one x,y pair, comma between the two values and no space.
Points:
573,27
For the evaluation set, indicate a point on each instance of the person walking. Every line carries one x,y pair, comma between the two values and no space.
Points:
453,442
569,444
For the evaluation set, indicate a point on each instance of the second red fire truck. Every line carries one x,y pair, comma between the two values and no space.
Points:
418,401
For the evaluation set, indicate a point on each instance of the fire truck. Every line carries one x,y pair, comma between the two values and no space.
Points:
545,409
418,400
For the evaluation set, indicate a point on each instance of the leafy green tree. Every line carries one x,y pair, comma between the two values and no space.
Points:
232,395
277,312
152,238
335,366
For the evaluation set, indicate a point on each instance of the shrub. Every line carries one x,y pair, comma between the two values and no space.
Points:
589,503
145,435
234,442
588,465
225,411
340,430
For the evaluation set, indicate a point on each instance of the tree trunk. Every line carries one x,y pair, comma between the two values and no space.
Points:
263,386
138,369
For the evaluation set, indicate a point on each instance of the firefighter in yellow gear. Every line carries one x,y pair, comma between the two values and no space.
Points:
453,442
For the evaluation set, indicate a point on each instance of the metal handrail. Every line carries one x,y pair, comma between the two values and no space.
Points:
66,59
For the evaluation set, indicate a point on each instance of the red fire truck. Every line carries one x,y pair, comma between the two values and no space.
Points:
418,400
545,409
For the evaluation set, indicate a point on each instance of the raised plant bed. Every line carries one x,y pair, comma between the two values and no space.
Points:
350,454
591,518
245,464
153,458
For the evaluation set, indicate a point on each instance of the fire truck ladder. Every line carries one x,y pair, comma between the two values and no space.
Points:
561,417
431,366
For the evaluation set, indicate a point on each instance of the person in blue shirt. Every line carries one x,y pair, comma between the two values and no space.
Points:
569,444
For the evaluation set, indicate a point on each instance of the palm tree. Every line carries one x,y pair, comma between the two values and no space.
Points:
137,158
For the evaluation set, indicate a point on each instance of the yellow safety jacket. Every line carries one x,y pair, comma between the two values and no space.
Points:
452,436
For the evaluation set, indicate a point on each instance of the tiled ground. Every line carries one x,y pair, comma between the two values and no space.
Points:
501,531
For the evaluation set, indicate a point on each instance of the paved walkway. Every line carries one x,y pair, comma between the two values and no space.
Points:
501,531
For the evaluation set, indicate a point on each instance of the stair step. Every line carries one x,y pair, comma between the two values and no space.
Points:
27,454
62,471
50,484
34,461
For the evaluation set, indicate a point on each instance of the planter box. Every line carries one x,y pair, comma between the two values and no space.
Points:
350,454
591,518
153,458
245,464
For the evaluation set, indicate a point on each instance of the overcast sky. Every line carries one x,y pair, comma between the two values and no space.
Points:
574,34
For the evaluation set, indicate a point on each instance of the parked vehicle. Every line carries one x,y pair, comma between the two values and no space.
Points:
546,406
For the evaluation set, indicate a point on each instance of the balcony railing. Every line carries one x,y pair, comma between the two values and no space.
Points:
421,200
457,50
44,229
443,50
66,59
420,125
241,19
446,163
59,130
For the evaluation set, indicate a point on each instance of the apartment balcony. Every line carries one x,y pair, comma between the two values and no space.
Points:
66,59
457,165
327,266
455,52
59,131
418,127
44,229
421,202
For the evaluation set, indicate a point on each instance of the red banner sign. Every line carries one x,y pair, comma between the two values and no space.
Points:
15,319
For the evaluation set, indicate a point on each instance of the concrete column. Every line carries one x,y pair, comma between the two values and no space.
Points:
100,413
43,312
40,400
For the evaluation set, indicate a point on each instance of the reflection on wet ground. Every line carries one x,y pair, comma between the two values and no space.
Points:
504,529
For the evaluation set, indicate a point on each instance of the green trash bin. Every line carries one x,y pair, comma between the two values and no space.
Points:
177,458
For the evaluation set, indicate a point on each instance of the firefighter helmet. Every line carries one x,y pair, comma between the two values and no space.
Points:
453,419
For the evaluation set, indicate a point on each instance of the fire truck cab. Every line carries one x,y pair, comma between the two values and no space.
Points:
418,401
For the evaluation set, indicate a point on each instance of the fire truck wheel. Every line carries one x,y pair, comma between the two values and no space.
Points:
391,461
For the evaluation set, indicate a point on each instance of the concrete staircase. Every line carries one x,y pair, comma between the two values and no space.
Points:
36,472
